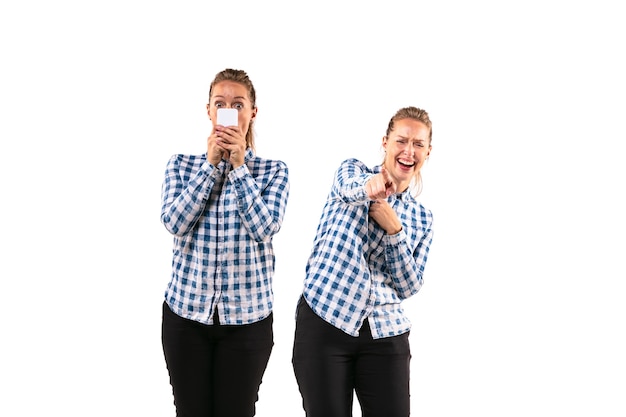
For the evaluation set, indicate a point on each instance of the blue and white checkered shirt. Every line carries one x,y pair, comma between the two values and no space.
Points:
223,221
356,270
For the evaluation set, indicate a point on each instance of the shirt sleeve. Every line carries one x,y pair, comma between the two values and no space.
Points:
184,194
261,207
350,180
406,266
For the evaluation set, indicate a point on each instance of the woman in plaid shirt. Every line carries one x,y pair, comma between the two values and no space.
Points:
223,208
372,242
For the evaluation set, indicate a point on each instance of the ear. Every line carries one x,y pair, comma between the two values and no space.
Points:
254,113
384,144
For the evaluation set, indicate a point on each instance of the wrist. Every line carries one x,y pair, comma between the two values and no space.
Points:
394,231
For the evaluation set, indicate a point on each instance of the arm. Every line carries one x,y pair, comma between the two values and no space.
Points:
349,184
262,208
355,183
406,266
184,194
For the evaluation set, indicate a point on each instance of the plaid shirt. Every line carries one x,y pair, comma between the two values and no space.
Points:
356,270
223,221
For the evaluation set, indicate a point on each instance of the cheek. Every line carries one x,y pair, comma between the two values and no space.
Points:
392,151
244,120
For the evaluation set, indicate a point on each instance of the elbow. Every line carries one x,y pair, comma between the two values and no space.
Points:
413,288
265,234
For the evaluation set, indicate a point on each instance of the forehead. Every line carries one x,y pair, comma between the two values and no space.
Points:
230,90
410,129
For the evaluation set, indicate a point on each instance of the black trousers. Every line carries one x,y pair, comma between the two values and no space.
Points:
215,371
331,366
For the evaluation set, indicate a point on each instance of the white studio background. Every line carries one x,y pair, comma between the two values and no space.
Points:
521,312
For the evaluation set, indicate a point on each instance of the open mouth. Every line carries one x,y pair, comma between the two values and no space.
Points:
405,163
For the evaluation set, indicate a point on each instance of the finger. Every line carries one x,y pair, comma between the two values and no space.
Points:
385,175
231,131
390,186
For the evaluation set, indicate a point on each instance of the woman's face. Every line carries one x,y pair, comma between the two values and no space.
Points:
229,94
406,149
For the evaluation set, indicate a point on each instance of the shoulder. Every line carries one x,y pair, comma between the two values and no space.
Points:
352,161
185,162
356,163
419,212
424,214
266,164
356,166
180,158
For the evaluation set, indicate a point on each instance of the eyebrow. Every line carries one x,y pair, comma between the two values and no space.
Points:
417,140
234,98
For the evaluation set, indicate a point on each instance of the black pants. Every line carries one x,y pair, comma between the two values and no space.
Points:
330,366
215,371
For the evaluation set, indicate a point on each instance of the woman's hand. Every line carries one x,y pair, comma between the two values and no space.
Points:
380,185
383,214
214,151
232,142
